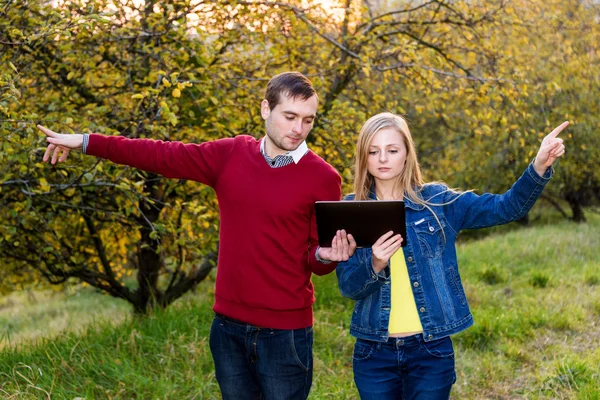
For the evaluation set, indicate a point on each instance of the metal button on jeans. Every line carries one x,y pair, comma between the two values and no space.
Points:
410,259
431,229
422,309
416,284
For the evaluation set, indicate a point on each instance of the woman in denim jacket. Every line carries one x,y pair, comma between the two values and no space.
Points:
410,299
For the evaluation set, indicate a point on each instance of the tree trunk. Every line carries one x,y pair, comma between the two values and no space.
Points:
576,207
149,258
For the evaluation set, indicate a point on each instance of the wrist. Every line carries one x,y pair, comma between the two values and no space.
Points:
85,140
378,266
540,169
321,259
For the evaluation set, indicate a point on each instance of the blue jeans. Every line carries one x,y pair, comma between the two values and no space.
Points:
261,363
404,368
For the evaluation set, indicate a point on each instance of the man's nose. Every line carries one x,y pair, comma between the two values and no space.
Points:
297,127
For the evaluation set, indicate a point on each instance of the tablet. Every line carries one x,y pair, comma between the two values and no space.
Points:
366,220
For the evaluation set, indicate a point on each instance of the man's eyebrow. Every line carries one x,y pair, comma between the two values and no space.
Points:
296,114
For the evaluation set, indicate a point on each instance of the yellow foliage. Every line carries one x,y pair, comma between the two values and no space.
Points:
476,97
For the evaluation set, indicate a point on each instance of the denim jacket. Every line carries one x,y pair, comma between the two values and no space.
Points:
430,256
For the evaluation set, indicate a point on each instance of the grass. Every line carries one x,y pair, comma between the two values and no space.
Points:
534,293
31,315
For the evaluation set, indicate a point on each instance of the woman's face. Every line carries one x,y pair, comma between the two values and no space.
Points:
387,155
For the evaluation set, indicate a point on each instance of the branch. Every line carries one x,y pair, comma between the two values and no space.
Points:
184,284
329,39
438,71
99,249
555,205
180,251
368,26
430,45
301,15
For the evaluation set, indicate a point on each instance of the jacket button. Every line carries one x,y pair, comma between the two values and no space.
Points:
430,337
431,229
416,284
422,309
410,259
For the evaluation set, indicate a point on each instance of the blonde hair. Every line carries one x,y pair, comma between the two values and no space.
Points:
410,181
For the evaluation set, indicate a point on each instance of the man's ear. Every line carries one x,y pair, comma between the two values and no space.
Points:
265,110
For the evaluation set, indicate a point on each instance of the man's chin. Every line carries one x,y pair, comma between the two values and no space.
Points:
293,145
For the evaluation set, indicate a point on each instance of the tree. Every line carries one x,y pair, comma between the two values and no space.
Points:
566,82
196,71
98,222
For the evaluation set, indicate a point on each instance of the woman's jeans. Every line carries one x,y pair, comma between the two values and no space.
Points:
261,363
404,368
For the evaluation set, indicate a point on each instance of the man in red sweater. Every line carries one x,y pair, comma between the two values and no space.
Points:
261,337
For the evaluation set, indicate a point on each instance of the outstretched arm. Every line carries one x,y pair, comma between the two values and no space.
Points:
471,211
199,162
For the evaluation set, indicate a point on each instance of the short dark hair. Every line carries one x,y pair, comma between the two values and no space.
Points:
289,84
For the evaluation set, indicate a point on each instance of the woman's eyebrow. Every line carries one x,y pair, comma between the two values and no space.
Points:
387,145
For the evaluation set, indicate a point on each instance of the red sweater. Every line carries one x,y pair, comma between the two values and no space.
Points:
268,234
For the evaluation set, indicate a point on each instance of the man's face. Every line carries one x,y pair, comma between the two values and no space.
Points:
289,123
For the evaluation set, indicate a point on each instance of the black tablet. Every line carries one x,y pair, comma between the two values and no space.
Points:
366,220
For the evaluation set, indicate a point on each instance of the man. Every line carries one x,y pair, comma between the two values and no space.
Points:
261,337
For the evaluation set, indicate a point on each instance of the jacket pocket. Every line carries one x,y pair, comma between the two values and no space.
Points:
457,285
365,311
430,236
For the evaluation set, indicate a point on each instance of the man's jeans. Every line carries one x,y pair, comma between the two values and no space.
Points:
261,363
404,368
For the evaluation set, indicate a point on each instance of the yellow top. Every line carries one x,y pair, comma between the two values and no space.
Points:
404,316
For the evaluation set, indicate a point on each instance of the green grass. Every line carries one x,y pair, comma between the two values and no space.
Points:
29,315
534,293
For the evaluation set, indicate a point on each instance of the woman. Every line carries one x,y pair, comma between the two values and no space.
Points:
410,299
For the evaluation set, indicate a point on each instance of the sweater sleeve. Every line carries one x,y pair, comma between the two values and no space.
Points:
332,191
199,162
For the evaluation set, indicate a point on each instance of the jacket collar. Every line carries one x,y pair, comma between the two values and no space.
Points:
407,202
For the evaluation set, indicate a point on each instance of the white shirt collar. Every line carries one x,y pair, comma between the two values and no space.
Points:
296,154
